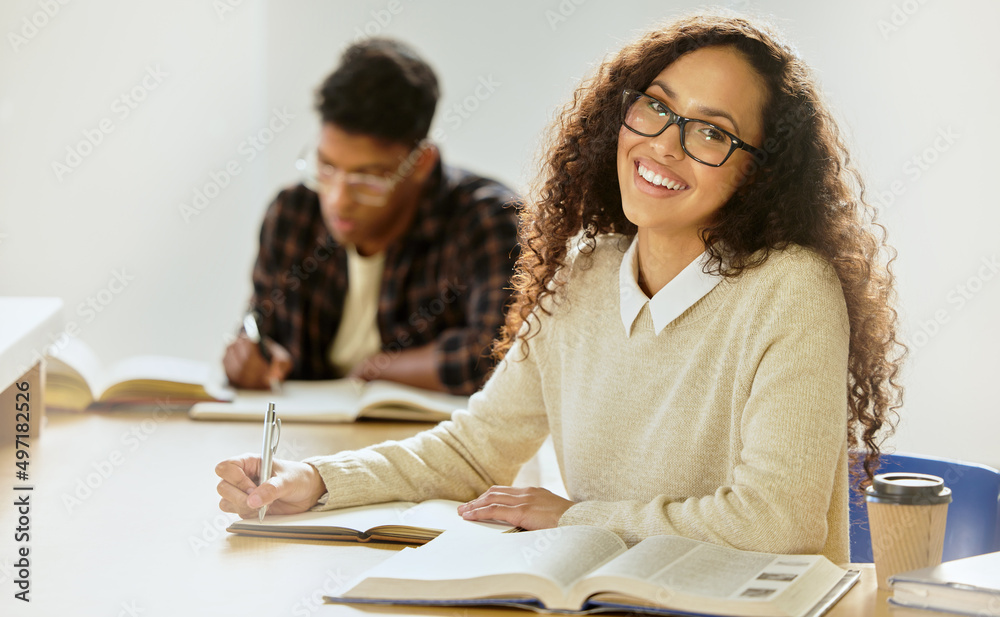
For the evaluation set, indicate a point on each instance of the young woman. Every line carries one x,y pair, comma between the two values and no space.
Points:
702,320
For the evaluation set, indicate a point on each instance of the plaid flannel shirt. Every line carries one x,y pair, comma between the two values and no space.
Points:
445,281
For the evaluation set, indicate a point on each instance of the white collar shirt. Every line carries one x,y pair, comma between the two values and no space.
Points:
680,294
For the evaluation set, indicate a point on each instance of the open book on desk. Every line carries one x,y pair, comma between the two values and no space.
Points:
578,569
397,521
338,400
76,379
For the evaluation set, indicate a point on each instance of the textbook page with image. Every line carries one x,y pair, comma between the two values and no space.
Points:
580,569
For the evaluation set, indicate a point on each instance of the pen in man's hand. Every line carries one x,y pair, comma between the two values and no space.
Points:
272,433
253,333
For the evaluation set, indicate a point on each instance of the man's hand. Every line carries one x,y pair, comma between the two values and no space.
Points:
246,367
293,487
417,366
527,508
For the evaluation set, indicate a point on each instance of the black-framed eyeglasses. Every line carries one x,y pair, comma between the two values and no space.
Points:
702,141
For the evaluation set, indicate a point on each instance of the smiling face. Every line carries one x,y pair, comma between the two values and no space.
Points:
715,84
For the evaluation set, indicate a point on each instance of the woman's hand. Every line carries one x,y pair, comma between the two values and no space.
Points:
293,487
527,508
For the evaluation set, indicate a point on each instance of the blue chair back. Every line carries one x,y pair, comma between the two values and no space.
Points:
973,526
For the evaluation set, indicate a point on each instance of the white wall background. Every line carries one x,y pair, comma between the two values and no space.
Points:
901,73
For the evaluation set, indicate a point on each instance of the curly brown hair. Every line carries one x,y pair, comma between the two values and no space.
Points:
804,191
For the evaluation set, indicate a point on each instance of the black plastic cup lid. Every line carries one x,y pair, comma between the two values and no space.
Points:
907,488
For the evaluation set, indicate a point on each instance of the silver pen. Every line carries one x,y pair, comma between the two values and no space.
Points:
272,433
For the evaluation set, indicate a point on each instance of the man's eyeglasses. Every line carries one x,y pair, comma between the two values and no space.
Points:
366,189
702,141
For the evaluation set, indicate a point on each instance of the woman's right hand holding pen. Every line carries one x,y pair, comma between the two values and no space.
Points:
293,487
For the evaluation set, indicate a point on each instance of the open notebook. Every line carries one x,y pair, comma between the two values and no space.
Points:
396,521
338,400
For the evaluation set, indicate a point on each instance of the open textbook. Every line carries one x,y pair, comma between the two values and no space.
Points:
588,569
338,400
397,521
76,379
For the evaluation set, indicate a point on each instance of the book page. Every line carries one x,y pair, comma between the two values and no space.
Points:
334,400
78,357
443,514
694,567
391,395
541,564
649,557
684,574
161,368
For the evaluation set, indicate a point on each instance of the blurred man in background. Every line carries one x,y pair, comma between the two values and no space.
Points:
384,263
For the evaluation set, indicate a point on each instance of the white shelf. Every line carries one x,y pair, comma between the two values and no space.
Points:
29,325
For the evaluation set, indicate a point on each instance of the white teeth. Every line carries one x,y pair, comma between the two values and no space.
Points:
657,179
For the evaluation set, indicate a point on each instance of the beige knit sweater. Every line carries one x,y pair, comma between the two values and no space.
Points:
730,426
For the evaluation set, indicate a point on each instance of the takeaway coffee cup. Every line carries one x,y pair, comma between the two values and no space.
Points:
906,515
